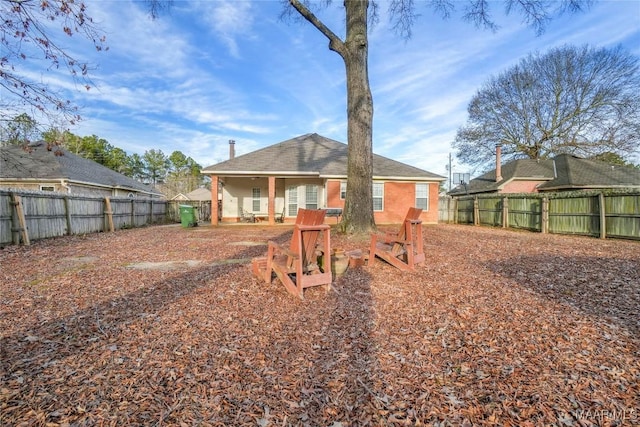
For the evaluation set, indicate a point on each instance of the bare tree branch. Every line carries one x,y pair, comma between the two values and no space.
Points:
335,43
26,35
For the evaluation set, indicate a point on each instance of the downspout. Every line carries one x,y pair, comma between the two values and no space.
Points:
64,185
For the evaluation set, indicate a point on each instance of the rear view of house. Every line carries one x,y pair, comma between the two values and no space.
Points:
310,171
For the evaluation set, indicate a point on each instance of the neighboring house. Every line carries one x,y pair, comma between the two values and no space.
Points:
310,171
180,197
200,194
562,173
39,167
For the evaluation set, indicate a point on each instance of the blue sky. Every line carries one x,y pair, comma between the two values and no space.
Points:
211,71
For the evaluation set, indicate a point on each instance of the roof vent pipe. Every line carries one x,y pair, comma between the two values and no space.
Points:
498,162
232,149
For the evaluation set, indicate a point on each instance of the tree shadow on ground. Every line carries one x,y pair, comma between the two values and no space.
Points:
607,287
207,345
32,360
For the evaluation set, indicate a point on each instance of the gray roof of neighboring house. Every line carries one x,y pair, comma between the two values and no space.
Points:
528,169
310,154
564,172
199,194
576,173
38,162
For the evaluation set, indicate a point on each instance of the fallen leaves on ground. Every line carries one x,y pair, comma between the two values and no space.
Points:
167,326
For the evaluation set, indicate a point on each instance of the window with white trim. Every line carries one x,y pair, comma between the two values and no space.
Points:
311,197
378,196
255,205
343,190
422,196
292,206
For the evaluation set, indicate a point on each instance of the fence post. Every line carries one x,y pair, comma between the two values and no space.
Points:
18,217
108,214
545,216
476,211
603,217
455,210
505,212
67,213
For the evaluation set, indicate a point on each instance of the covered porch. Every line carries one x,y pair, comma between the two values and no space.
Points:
267,199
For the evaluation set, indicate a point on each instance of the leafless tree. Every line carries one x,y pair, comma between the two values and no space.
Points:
354,50
577,100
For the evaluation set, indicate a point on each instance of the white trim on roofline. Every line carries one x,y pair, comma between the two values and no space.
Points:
407,178
76,182
258,173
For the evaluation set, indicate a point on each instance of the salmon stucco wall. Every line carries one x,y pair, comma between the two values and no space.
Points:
398,198
521,187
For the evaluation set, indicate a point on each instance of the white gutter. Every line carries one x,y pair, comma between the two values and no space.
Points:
258,173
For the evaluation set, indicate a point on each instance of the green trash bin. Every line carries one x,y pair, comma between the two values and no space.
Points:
188,216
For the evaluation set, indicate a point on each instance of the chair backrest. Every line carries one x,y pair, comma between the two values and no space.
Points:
246,216
413,214
309,238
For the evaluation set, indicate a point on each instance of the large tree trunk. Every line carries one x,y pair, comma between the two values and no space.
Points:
358,212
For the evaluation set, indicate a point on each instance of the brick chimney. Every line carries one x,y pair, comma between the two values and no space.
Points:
498,162
232,149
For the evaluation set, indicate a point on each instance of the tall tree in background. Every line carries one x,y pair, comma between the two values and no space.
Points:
184,173
156,165
30,31
354,51
576,100
135,167
21,130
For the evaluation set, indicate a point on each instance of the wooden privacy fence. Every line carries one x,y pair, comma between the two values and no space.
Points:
602,214
26,216
203,209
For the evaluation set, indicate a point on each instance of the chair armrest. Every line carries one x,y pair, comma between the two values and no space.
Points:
319,227
278,248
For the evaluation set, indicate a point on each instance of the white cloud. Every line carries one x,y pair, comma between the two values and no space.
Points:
229,20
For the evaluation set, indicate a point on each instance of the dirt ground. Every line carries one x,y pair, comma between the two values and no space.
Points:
166,326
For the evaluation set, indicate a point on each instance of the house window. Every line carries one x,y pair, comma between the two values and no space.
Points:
378,196
311,197
255,192
292,206
343,190
47,188
422,196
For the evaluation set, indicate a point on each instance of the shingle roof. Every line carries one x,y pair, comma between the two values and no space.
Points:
199,194
37,162
574,172
310,154
541,170
564,172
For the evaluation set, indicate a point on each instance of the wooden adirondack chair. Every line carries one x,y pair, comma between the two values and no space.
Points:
403,249
297,265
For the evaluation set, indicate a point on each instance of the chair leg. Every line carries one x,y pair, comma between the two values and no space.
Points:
372,250
267,272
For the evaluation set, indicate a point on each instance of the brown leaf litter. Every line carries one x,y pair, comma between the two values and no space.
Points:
499,328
